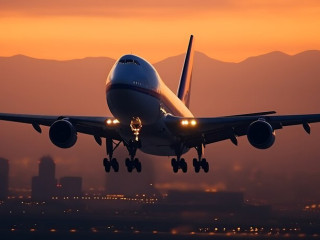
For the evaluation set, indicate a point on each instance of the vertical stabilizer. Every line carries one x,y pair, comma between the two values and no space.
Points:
186,75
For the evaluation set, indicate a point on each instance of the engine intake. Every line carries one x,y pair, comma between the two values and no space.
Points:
261,134
63,134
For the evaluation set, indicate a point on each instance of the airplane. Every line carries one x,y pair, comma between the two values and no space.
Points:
149,117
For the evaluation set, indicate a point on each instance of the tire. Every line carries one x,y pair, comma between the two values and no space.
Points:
195,162
205,165
115,164
183,165
174,165
173,162
138,167
130,168
127,162
105,161
107,166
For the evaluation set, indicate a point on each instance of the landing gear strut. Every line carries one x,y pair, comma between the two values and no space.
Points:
112,163
200,162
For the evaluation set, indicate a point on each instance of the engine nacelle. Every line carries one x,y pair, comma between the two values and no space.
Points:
63,134
261,134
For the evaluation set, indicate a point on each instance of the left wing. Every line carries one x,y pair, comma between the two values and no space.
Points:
258,127
96,126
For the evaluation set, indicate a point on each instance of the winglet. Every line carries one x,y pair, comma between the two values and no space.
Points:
186,75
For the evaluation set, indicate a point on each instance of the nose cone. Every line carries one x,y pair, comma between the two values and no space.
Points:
135,71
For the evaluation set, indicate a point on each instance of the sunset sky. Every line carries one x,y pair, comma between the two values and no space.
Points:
228,30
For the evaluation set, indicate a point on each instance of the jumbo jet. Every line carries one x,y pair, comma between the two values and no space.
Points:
149,117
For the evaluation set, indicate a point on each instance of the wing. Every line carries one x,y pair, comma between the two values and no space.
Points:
96,126
197,131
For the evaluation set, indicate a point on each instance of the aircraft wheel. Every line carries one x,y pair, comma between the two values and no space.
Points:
138,165
106,164
183,165
105,161
195,162
174,165
114,164
205,165
127,162
130,168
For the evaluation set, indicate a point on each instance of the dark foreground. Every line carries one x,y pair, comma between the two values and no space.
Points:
143,235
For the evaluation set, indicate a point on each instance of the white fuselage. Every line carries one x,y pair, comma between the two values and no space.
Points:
135,89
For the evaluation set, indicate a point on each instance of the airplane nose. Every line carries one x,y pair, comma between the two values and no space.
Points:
127,74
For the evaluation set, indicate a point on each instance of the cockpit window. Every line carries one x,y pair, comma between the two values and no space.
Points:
127,61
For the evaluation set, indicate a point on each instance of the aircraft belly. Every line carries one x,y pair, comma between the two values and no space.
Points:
126,104
155,139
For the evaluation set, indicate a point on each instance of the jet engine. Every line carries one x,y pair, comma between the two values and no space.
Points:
63,134
261,134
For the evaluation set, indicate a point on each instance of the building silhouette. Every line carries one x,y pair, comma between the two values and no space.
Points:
71,186
4,178
44,186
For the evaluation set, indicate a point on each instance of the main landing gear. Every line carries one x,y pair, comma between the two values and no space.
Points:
132,162
112,163
180,163
200,162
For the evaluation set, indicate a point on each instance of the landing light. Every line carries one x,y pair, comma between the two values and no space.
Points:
112,122
192,122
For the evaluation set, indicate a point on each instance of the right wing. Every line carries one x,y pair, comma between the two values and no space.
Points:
196,131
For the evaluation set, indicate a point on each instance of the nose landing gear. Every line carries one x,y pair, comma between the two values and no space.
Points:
136,126
133,145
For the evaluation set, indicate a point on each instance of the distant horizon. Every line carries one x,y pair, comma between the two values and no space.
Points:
196,52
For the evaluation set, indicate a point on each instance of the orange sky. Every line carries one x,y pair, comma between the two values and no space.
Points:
228,30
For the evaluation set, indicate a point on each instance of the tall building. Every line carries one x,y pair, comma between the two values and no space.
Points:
4,178
71,186
44,186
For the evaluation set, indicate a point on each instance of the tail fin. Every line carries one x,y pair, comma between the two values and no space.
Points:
186,75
